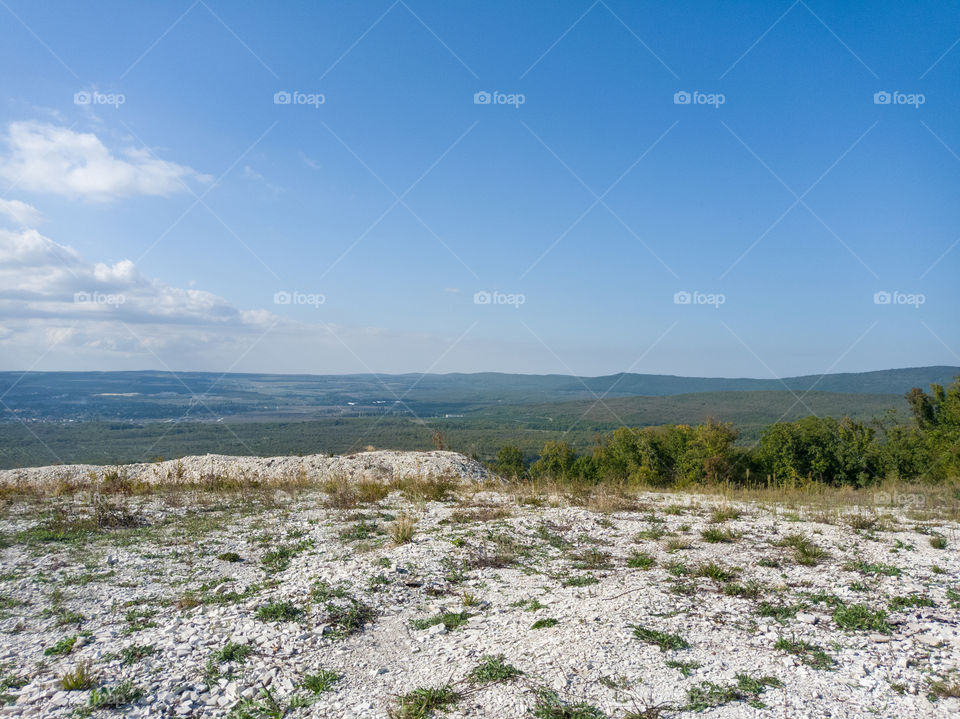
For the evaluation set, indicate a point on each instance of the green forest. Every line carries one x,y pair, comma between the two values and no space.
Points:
817,449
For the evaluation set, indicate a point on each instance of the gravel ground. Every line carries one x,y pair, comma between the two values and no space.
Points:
270,603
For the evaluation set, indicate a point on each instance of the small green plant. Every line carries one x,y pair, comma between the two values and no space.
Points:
64,646
279,559
320,682
806,552
641,560
943,689
810,654
938,541
716,572
580,580
859,617
664,640
722,514
708,695
232,557
550,706
233,652
492,669
135,652
138,620
80,678
349,618
910,600
424,702
450,620
887,570
716,535
279,612
592,558
685,668
748,590
545,623
780,612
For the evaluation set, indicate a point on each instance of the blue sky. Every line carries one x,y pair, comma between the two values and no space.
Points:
156,232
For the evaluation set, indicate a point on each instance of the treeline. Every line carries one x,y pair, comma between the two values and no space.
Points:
822,449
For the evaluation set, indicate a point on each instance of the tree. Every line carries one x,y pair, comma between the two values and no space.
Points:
510,462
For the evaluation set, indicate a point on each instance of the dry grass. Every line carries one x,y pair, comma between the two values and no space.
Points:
402,529
343,493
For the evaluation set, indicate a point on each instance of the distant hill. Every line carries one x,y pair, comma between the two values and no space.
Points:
749,411
150,395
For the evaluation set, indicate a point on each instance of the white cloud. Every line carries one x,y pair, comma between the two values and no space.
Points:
20,212
41,278
47,158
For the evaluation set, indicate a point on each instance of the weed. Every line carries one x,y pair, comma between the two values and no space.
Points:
685,668
592,559
910,600
664,640
550,706
139,619
229,557
581,580
233,652
350,618
677,544
424,702
780,612
401,531
135,652
943,689
64,646
320,682
810,654
722,514
80,678
279,612
805,551
450,620
641,560
859,617
715,535
707,695
887,570
545,623
712,570
748,590
938,541
492,669
361,530
279,559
